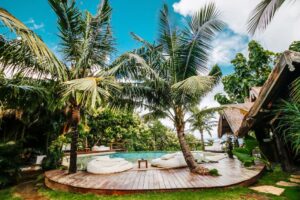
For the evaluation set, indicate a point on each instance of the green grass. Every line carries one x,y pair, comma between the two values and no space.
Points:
7,194
213,194
236,193
272,177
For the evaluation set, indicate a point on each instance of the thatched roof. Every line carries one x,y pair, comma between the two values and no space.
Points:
240,118
232,118
275,88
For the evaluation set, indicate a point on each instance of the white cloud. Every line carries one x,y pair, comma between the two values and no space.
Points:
33,25
226,46
282,31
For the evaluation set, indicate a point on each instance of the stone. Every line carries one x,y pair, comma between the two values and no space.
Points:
295,176
295,180
268,189
286,184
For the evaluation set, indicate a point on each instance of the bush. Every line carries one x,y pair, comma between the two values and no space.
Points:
10,161
55,154
214,172
244,154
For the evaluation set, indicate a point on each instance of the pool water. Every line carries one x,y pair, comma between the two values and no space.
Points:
134,156
129,156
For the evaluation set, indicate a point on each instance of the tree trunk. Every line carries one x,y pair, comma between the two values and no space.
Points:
75,118
188,156
202,140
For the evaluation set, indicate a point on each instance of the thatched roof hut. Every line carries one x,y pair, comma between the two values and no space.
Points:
259,115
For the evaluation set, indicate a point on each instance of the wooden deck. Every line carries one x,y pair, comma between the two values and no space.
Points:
136,181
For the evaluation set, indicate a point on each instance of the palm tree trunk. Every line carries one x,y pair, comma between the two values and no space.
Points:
75,118
188,156
202,140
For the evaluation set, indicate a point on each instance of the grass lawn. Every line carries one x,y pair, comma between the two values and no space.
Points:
236,193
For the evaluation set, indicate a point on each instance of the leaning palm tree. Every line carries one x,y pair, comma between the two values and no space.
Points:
263,14
203,120
86,44
178,61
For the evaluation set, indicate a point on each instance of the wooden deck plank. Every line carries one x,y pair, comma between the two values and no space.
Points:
132,181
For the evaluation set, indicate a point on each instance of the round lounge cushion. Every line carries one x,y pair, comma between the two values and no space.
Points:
176,162
108,166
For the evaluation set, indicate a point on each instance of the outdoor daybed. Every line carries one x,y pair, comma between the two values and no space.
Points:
176,160
106,165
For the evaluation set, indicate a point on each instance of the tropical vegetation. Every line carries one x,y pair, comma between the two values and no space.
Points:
248,72
178,59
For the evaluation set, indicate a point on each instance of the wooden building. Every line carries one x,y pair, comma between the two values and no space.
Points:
258,113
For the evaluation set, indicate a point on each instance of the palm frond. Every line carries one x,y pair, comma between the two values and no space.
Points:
197,36
90,91
30,44
70,27
192,87
289,123
263,14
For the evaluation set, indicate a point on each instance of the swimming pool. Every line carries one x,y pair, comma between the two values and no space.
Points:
129,156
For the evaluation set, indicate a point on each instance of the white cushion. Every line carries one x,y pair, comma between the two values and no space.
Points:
168,156
108,166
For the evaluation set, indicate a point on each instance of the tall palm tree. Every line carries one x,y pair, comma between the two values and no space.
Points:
178,61
86,44
203,120
263,14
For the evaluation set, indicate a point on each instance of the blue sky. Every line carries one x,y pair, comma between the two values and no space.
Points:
128,16
138,16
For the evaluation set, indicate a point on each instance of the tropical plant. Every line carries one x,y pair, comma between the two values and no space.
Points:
9,163
251,72
295,46
289,120
86,43
177,63
203,120
263,14
244,154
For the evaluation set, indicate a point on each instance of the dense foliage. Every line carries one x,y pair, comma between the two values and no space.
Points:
289,123
248,73
129,129
244,154
295,46
10,161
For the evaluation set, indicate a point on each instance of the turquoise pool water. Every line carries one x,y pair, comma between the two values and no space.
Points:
130,156
134,156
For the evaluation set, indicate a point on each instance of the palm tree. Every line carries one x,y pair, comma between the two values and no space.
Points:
263,14
86,43
203,120
177,61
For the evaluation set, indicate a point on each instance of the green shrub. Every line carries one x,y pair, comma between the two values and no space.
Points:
10,161
214,172
244,154
55,154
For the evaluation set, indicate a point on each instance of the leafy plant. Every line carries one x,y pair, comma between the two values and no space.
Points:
251,72
244,154
10,161
55,154
289,123
214,172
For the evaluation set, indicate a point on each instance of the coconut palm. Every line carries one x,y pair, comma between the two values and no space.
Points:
203,120
86,44
263,14
179,61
